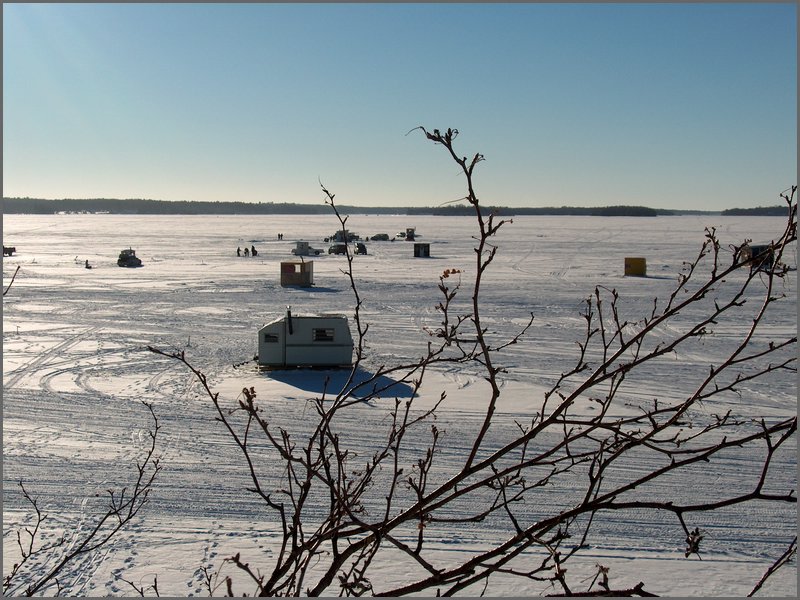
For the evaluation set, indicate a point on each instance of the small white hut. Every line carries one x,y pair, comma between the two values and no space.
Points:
306,340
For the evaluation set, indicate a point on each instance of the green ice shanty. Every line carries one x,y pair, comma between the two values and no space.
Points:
321,340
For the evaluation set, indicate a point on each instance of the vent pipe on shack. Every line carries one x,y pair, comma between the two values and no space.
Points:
289,319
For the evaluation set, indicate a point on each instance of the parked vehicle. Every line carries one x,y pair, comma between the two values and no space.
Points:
343,235
128,258
361,248
380,237
304,249
337,248
409,234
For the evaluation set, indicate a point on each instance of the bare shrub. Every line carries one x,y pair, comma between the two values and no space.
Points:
340,507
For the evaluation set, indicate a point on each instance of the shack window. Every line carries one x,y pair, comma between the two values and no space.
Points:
271,338
323,335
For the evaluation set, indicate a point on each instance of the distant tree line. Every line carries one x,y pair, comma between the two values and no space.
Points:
138,206
597,211
594,211
759,211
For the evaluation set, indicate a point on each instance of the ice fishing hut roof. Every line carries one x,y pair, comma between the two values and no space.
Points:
307,316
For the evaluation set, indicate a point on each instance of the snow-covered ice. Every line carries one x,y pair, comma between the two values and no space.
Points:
75,368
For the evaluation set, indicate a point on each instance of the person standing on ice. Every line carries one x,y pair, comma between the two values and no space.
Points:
239,251
253,251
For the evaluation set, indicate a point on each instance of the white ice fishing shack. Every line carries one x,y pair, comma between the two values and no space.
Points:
306,341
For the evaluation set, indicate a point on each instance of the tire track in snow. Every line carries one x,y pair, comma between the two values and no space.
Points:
45,357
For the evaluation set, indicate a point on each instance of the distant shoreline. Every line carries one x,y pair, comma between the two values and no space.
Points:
182,207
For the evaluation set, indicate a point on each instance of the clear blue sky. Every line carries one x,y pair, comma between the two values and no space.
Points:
662,105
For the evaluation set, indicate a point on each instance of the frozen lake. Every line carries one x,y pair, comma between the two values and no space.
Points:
75,368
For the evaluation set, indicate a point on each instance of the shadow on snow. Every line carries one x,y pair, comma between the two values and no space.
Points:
332,381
